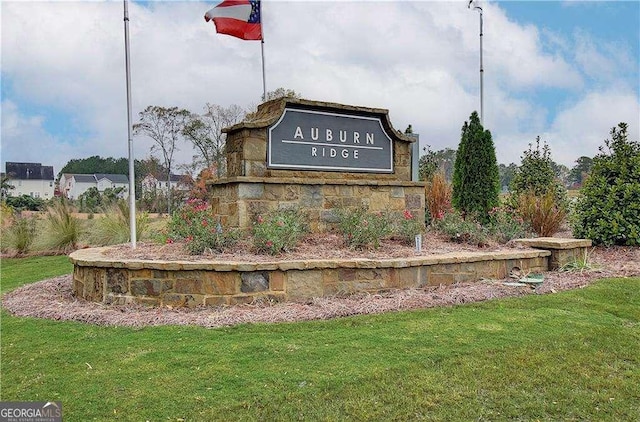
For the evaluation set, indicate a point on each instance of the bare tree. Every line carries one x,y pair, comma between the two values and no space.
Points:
164,126
205,133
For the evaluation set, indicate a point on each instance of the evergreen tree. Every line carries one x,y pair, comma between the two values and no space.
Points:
608,211
476,180
536,174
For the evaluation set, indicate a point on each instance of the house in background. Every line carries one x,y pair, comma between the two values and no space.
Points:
157,184
31,179
74,185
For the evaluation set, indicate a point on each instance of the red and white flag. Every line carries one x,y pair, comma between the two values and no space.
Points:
238,18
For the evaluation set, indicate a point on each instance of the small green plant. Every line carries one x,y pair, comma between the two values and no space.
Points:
21,234
461,230
361,229
62,229
113,227
580,264
505,225
408,227
545,213
279,231
196,225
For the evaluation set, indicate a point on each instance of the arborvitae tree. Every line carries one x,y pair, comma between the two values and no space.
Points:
476,179
608,210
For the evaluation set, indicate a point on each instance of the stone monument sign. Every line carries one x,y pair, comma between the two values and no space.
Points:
317,156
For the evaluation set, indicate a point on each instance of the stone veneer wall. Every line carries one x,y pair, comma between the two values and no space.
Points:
251,188
239,201
184,283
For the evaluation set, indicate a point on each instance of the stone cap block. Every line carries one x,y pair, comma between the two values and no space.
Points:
269,112
554,243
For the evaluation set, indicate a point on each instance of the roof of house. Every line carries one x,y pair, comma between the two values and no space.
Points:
84,178
29,171
115,178
93,178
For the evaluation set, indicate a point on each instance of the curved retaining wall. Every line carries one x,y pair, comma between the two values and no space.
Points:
186,283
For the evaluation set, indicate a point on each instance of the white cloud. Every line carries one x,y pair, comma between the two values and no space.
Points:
579,130
25,140
417,59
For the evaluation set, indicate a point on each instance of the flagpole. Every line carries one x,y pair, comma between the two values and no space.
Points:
132,184
264,78
479,9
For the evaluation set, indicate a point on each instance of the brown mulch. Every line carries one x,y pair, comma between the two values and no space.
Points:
53,298
324,246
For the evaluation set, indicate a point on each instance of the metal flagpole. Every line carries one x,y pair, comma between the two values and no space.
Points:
264,79
132,183
478,8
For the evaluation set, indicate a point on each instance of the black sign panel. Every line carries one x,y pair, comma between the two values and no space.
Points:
325,141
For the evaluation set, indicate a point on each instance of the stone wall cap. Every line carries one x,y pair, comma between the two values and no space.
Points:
269,112
96,257
554,243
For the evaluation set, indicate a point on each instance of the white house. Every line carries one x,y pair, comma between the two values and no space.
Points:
74,185
31,179
151,183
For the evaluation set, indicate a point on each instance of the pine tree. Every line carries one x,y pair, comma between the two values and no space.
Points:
476,179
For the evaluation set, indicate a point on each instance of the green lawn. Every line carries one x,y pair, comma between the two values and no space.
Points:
568,356
17,271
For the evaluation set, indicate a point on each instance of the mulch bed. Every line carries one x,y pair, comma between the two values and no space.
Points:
53,299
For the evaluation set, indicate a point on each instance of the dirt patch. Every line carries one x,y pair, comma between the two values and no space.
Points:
53,298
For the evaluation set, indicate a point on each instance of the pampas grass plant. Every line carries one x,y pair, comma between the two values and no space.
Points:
20,236
62,230
113,227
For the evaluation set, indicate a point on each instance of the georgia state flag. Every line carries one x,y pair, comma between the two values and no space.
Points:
238,18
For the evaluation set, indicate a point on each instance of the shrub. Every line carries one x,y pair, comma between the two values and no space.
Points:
114,226
361,229
476,179
438,195
25,203
200,229
536,174
461,230
194,210
21,234
608,211
216,239
279,231
408,227
505,225
544,213
62,229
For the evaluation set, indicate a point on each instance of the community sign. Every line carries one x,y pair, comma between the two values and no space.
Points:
304,139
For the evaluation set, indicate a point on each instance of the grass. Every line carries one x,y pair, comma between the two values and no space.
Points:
568,356
15,272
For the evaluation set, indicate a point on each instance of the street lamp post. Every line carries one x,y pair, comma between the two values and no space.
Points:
479,9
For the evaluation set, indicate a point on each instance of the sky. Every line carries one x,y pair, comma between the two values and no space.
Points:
567,71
